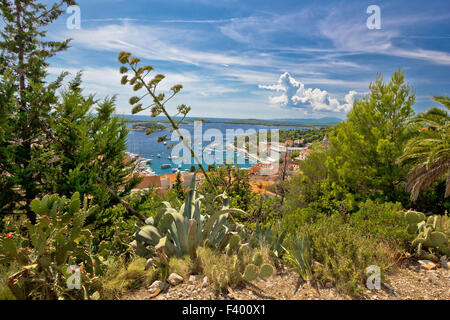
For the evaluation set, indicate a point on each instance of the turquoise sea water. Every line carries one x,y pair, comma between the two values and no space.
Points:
148,146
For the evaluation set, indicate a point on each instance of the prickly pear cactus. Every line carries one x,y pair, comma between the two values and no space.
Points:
266,271
257,268
433,234
55,245
250,273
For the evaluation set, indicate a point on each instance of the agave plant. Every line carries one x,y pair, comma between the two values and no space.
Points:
180,232
300,257
271,238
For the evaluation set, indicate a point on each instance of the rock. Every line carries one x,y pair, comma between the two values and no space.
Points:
190,288
194,278
157,285
175,279
205,282
443,262
427,265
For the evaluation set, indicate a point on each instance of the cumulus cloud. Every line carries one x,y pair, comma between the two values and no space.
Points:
295,95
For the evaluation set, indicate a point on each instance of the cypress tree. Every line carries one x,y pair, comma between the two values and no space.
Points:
23,61
51,142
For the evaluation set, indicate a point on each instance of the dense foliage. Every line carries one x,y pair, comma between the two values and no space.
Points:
342,212
49,141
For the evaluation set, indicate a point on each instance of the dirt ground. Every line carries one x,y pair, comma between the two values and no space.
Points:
408,282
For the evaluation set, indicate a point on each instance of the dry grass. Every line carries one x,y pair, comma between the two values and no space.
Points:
5,272
182,266
121,278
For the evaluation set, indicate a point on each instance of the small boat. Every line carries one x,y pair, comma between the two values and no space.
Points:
159,156
165,166
165,142
179,166
174,170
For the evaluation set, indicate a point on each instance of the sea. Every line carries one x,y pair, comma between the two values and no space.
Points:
148,147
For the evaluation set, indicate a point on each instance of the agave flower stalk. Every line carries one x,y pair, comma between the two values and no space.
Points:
159,101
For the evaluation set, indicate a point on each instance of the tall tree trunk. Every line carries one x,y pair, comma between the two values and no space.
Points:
30,192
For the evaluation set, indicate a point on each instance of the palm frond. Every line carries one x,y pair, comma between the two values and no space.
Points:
424,176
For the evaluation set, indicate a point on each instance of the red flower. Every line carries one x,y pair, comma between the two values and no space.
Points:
26,249
85,249
47,245
9,235
49,218
93,263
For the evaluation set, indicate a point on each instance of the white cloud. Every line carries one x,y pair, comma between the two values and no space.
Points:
295,95
155,43
352,36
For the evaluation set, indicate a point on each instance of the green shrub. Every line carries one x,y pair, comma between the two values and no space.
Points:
343,253
382,220
295,220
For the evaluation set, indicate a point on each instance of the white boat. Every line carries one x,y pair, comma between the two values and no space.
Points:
165,166
179,166
159,156
174,170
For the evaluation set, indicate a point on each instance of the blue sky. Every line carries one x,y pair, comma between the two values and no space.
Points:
261,59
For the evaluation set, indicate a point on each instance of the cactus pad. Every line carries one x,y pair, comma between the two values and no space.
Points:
266,271
250,273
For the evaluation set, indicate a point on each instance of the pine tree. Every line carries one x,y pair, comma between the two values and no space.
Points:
365,147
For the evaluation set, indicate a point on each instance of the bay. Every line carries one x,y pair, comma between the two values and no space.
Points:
147,146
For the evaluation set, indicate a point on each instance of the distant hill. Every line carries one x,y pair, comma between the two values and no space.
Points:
235,120
313,120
